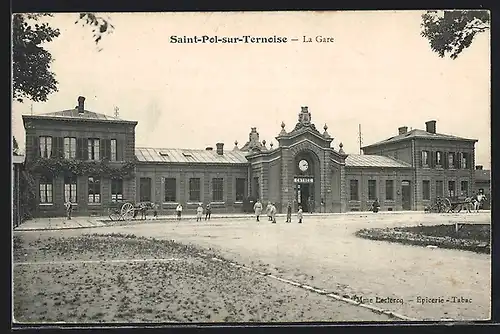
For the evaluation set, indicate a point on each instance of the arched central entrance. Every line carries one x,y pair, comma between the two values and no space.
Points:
306,180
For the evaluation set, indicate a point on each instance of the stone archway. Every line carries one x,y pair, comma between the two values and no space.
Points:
307,179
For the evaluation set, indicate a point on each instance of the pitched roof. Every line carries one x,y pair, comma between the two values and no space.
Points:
482,174
178,155
417,133
369,160
74,114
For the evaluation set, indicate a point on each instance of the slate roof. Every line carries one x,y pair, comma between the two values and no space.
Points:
178,155
416,133
369,160
482,175
74,114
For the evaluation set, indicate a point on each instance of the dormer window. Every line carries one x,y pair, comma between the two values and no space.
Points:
187,155
163,153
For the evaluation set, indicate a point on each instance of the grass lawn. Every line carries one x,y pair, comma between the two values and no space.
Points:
123,278
471,237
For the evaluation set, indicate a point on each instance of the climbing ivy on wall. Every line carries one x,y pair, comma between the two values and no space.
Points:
58,166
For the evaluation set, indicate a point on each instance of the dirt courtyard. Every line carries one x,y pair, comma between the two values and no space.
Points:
180,286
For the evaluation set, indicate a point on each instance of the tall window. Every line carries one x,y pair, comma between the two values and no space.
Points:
69,148
425,158
45,189
464,188
389,190
354,190
240,190
426,190
451,188
93,149
116,190
464,161
439,188
170,190
45,146
217,189
451,160
113,150
372,189
439,158
145,189
94,189
194,190
70,189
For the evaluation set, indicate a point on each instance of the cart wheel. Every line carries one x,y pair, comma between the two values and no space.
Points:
447,205
127,211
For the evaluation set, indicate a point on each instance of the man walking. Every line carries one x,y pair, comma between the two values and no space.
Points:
69,209
199,212
289,213
268,211
179,211
257,208
273,213
208,212
299,214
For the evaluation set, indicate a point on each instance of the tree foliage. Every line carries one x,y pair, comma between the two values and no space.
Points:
32,76
452,31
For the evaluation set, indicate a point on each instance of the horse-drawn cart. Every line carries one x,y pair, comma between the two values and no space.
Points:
450,204
127,210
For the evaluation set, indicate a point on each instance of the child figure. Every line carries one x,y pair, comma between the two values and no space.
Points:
273,213
289,213
199,212
299,214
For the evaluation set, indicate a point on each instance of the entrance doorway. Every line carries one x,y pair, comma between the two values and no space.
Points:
406,195
304,196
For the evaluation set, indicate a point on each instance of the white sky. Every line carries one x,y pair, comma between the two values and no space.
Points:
379,73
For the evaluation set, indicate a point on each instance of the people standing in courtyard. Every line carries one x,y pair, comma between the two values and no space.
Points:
273,213
268,211
69,209
257,208
179,211
199,212
208,212
375,205
289,213
299,214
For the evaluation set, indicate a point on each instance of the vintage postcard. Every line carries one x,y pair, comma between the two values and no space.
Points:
251,167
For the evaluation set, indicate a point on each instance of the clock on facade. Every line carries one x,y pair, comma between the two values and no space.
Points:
303,165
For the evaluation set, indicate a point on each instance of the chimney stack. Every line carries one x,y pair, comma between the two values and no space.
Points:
81,104
430,126
220,148
479,167
403,130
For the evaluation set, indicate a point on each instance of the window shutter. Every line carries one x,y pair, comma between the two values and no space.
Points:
60,147
36,147
445,160
421,158
119,153
107,146
85,149
458,162
432,156
102,149
79,149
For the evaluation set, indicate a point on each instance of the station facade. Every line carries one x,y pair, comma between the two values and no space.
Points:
91,159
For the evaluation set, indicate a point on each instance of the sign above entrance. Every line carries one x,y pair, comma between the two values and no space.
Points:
303,180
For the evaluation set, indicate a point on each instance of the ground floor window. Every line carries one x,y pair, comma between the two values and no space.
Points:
194,190
354,190
94,189
170,190
451,188
464,188
240,189
217,189
389,190
70,188
372,190
145,189
116,190
439,188
46,189
426,190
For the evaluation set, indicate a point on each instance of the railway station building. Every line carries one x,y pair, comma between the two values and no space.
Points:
91,159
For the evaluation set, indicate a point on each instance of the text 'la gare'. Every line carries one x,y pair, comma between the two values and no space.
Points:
318,39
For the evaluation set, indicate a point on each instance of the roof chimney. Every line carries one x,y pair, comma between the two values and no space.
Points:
220,148
81,104
403,130
430,126
479,167
209,148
